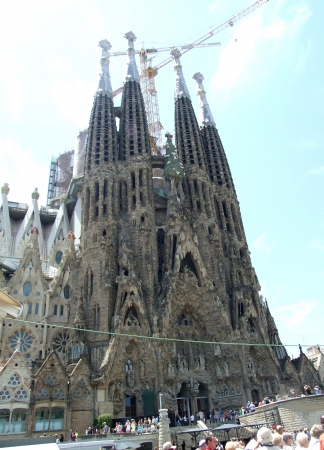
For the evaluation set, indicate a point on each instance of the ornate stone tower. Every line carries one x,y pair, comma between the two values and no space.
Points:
157,296
99,211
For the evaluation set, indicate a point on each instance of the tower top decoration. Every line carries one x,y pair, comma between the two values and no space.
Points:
180,87
132,73
205,115
105,82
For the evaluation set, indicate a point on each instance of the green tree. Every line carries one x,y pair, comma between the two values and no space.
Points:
98,422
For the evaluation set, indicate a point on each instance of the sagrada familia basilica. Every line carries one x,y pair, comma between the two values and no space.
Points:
136,278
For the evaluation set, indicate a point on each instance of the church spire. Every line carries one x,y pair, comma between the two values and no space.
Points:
188,140
102,132
205,115
216,161
131,67
105,82
180,87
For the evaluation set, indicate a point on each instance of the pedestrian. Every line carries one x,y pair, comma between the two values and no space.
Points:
302,440
253,441
288,440
265,438
211,442
168,446
202,445
183,445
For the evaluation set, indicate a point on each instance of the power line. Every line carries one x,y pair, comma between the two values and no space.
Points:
155,338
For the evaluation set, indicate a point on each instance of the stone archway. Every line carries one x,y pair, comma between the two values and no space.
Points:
184,401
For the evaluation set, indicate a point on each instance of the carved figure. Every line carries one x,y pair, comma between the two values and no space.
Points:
226,371
218,370
202,361
131,320
142,369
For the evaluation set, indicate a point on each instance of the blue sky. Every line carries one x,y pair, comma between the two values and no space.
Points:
265,86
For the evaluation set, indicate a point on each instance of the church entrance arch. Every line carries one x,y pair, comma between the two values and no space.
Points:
202,400
184,401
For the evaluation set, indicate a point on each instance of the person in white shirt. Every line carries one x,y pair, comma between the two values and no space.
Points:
253,442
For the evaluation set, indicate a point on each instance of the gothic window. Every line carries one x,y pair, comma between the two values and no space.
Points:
14,380
240,309
160,243
23,339
51,380
58,394
21,394
27,289
61,310
58,257
42,394
86,392
5,394
55,310
60,342
76,393
30,308
36,308
67,292
82,383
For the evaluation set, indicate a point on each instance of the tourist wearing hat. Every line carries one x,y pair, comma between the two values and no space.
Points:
202,445
265,438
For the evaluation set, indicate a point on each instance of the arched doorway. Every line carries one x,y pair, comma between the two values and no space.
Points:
202,400
183,401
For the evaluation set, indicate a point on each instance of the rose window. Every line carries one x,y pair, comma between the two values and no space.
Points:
51,380
14,380
82,383
58,393
87,392
21,394
42,394
5,394
60,342
23,340
76,393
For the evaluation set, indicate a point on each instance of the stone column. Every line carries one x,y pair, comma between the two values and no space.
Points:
164,429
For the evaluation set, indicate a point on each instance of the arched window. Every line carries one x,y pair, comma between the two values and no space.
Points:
58,257
27,289
67,292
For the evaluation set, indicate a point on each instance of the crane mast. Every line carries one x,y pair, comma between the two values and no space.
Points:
148,73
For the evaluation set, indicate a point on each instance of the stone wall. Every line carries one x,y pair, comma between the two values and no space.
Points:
291,413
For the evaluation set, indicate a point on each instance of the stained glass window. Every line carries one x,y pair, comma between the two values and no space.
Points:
27,289
23,340
60,341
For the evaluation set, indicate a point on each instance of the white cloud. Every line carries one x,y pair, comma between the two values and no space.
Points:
261,245
256,45
305,143
21,176
315,172
318,245
74,99
295,314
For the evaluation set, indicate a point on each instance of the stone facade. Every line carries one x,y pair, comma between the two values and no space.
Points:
153,291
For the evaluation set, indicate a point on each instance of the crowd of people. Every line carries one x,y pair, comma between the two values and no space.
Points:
277,438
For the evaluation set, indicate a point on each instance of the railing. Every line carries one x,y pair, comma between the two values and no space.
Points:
132,434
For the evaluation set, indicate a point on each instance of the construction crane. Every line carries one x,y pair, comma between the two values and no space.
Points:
148,73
